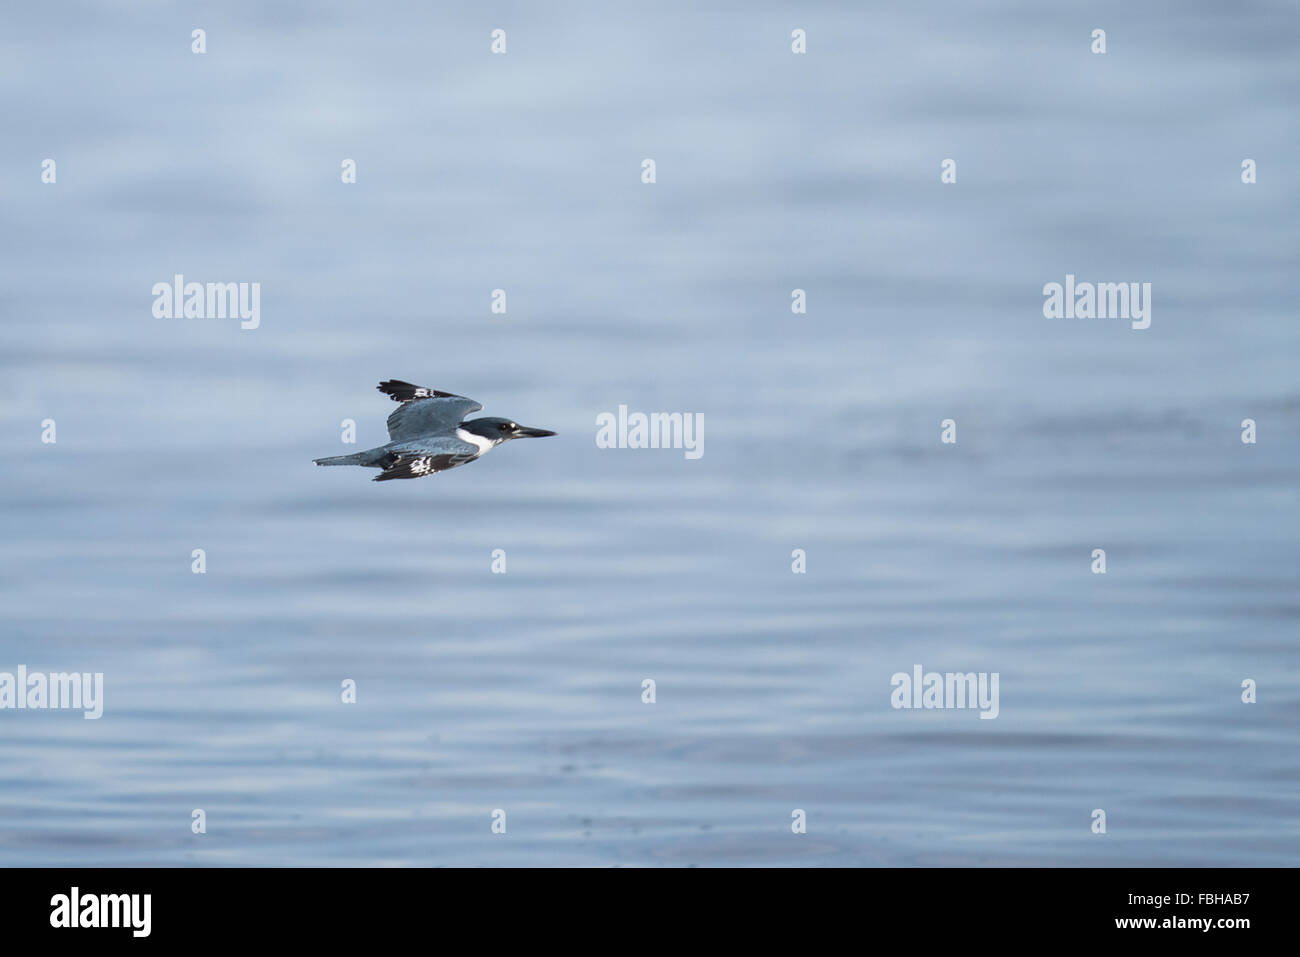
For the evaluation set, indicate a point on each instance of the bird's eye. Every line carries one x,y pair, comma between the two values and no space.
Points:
504,427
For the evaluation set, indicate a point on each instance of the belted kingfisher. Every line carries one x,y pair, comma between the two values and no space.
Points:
429,434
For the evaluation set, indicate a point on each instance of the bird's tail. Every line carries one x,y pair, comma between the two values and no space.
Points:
355,458
371,458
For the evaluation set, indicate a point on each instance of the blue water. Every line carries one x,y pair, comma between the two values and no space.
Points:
522,691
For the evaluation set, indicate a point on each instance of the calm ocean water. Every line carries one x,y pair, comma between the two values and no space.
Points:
479,691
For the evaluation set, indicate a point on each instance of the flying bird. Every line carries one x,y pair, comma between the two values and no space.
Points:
429,434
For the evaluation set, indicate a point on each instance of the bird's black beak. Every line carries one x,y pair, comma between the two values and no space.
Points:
523,433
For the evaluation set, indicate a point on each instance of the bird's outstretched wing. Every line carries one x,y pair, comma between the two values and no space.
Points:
418,466
424,411
400,391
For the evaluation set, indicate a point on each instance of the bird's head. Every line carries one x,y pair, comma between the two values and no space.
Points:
501,430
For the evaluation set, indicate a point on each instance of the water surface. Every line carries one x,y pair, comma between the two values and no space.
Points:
522,691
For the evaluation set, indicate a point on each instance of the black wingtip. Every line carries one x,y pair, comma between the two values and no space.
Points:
401,391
